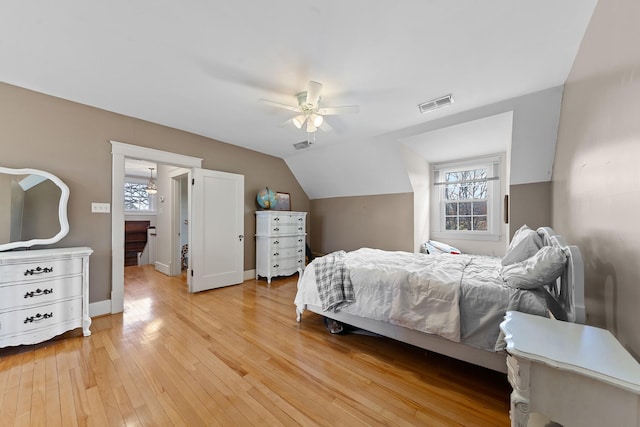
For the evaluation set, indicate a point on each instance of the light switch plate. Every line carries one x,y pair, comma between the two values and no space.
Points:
100,207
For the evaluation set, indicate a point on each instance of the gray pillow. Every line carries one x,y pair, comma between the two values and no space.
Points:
525,243
541,269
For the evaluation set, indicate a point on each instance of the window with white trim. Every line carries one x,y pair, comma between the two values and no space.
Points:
466,199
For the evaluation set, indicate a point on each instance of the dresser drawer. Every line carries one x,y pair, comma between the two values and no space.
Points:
286,266
39,270
287,252
277,223
285,229
39,292
282,218
286,242
29,319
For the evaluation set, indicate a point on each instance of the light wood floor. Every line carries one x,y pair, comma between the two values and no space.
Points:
236,356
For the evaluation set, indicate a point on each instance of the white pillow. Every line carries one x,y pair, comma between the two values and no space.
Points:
525,243
443,248
541,269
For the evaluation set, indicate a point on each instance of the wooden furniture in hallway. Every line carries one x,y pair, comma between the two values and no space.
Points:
135,239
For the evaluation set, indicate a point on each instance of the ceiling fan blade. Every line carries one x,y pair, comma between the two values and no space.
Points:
325,127
280,105
313,93
332,111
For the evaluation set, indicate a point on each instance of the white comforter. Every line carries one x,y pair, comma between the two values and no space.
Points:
459,297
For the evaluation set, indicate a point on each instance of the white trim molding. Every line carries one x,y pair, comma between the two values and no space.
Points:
120,151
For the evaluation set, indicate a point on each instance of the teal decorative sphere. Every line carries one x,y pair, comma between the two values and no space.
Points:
266,198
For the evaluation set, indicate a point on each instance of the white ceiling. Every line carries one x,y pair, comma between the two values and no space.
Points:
490,135
204,66
140,168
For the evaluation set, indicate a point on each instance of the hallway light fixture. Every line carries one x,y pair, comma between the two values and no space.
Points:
152,188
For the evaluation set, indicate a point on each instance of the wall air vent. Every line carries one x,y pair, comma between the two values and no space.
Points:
435,103
302,145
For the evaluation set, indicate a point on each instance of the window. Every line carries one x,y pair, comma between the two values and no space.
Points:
136,198
465,201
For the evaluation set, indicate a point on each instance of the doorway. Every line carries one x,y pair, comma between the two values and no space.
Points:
120,152
215,236
180,221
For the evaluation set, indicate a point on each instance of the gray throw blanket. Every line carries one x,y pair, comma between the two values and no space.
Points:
333,282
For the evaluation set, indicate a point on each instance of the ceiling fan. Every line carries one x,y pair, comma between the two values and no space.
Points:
310,115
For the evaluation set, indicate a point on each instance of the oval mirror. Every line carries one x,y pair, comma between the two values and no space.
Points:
33,208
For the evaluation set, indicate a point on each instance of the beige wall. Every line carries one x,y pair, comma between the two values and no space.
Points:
382,221
596,177
71,141
529,204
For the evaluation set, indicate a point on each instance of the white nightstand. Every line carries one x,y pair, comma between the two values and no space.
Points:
574,374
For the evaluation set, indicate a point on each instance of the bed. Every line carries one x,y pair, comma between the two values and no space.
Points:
450,304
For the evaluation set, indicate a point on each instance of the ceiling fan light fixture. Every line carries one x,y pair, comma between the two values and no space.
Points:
317,119
311,127
298,121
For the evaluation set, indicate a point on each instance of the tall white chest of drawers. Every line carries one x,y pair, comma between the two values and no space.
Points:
280,243
43,293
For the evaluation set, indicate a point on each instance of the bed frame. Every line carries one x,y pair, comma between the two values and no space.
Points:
568,294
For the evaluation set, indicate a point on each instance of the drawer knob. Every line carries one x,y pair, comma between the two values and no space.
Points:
276,229
38,292
38,317
38,270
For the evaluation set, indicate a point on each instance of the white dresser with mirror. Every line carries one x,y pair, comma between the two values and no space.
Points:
43,292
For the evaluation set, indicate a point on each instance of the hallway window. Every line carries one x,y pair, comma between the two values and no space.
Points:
136,198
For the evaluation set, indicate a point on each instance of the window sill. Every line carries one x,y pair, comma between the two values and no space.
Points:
464,235
141,213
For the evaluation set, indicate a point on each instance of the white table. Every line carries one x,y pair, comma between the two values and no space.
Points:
574,374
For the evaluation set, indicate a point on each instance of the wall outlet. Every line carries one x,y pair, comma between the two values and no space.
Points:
100,207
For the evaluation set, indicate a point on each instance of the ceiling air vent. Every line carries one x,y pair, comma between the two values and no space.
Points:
301,145
435,103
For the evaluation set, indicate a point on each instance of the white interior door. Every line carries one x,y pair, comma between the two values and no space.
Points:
216,235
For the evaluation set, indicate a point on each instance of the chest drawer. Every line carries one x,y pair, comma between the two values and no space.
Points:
286,265
284,229
39,270
287,252
39,292
16,322
286,242
274,223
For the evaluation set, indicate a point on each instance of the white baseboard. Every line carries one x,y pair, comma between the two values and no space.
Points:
249,274
100,308
163,268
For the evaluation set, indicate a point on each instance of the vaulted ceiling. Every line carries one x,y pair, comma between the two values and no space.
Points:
203,67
